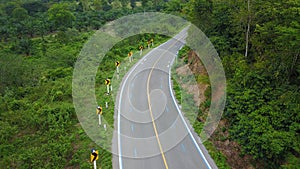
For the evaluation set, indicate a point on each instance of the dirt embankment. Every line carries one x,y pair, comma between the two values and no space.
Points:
230,149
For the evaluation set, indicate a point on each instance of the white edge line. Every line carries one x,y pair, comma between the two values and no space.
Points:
120,100
191,135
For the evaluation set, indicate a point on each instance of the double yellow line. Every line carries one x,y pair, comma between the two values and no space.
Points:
150,109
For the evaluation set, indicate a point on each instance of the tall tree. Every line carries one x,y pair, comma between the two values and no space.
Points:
199,12
61,16
20,14
9,7
25,46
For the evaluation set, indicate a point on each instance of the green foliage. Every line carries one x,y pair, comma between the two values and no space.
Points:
37,114
263,91
24,46
177,90
202,79
198,12
174,5
116,4
20,13
35,102
36,107
61,16
9,7
293,162
263,120
34,7
217,156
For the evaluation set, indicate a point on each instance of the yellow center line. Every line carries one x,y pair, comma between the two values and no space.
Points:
150,109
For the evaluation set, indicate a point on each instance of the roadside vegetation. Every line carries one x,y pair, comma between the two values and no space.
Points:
39,127
187,85
258,43
108,70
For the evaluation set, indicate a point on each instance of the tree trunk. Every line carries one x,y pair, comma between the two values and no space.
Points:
248,30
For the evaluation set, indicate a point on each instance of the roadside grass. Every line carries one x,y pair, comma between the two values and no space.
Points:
188,106
118,53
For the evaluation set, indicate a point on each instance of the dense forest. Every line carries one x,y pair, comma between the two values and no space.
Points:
257,41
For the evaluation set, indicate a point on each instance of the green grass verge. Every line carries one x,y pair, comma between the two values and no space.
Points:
118,53
189,107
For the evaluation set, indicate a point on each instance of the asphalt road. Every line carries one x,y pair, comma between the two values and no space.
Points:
152,132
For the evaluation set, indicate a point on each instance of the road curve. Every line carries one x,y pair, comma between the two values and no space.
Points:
151,130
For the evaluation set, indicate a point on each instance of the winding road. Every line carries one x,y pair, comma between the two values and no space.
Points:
152,132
